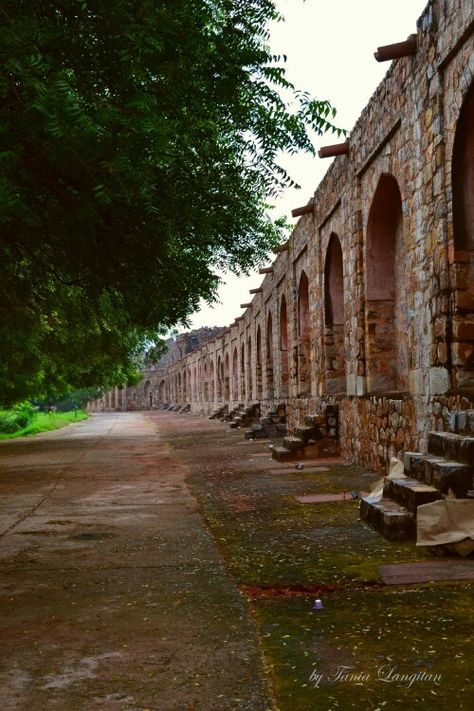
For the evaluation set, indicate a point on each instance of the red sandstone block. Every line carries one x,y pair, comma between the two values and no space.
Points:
464,301
463,331
458,256
462,353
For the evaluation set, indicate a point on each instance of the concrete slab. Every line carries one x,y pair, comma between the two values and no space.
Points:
112,591
292,470
321,498
405,573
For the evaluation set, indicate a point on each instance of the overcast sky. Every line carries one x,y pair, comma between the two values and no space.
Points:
329,46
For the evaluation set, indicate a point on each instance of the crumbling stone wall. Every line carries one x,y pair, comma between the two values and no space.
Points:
370,305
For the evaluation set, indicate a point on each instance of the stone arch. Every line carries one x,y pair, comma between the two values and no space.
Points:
269,357
304,349
226,378
219,377
212,378
206,382
242,371
259,363
184,395
147,389
284,373
462,300
249,369
386,313
334,319
235,374
162,391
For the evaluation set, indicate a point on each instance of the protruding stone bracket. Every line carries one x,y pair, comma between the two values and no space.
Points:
398,50
256,291
245,306
337,149
266,270
305,210
283,247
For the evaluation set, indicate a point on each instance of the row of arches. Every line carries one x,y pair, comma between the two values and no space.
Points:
261,366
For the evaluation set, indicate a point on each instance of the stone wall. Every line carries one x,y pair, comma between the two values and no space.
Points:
371,302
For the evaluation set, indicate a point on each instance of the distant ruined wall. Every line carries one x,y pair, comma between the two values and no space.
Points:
371,306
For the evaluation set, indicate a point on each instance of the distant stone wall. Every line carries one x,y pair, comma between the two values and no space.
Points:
371,305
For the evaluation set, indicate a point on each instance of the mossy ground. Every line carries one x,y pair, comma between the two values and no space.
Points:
370,649
278,549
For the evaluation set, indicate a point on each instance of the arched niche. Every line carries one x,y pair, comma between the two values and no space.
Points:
269,357
259,362
386,310
462,267
162,391
219,377
334,320
242,371
249,369
206,382
226,378
284,372
304,351
148,400
212,382
235,375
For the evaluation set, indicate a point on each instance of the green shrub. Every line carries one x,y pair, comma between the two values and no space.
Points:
24,414
17,418
8,423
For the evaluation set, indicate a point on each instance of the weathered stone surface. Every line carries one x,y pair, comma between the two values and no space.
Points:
371,306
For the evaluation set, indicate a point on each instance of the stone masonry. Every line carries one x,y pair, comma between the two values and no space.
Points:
370,304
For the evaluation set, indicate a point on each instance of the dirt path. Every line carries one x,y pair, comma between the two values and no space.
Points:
113,595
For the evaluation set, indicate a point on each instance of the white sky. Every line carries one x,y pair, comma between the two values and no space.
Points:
329,48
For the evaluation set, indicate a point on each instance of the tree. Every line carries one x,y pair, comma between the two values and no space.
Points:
139,143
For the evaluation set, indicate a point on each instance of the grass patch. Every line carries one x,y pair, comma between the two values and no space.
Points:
48,421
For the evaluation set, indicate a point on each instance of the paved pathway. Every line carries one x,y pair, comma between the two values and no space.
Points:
112,593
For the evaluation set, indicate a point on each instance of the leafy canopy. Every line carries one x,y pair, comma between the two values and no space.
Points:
138,149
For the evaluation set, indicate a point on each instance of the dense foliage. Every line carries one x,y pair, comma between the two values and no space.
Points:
138,147
17,418
69,401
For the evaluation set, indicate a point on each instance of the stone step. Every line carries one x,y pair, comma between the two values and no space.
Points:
452,446
282,454
420,466
452,475
410,493
295,444
444,474
306,432
392,520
